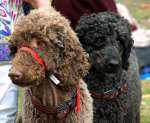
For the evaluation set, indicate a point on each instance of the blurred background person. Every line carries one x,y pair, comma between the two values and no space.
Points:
141,37
9,10
73,9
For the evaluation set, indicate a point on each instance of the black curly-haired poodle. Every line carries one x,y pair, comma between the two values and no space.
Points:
107,39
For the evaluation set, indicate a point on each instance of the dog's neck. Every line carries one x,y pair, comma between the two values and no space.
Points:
49,94
103,82
109,89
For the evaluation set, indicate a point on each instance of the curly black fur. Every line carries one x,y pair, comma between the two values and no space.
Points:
107,39
95,30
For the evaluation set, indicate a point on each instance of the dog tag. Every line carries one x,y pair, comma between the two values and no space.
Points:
54,79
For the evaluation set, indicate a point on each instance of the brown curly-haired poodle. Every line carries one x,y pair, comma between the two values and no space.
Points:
50,63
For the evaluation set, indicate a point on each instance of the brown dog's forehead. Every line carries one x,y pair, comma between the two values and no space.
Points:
32,25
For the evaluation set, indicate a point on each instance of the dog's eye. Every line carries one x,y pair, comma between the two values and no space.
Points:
37,43
40,44
13,50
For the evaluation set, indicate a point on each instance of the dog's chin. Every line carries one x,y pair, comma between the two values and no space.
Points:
25,84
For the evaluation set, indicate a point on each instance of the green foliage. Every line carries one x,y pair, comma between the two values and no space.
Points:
20,100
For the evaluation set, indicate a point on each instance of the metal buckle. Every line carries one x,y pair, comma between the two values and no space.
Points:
108,92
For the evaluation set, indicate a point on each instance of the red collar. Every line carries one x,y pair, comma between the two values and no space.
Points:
111,94
35,56
62,110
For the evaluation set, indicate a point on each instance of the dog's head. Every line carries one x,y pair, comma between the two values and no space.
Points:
107,39
43,44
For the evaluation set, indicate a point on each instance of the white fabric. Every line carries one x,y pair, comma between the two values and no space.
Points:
8,97
123,11
141,37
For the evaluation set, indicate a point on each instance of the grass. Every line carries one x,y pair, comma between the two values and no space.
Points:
20,101
145,105
136,8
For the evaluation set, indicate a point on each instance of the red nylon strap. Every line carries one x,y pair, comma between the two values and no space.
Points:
42,108
78,105
35,56
49,110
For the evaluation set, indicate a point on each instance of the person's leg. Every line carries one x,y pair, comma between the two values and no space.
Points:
8,97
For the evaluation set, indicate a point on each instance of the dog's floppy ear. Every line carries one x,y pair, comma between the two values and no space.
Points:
56,33
70,58
127,43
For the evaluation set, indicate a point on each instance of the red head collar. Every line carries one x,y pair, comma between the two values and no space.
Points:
35,56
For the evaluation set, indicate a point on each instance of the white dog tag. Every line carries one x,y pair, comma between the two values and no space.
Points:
54,79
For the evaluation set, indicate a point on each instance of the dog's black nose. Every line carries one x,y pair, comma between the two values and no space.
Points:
15,76
113,66
113,62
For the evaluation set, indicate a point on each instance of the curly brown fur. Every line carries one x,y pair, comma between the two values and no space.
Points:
107,39
49,34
